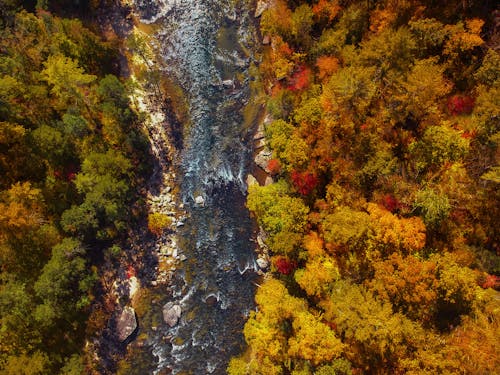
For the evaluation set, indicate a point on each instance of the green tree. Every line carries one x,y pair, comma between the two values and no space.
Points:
432,206
67,79
65,282
103,183
283,217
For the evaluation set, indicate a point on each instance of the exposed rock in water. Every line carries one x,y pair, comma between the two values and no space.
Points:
211,300
228,83
171,313
199,200
127,323
266,40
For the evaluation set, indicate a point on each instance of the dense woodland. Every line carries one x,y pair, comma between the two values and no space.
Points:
383,221
70,155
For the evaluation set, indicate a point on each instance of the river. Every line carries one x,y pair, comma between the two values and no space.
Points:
204,46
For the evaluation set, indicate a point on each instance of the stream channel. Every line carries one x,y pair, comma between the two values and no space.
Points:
206,48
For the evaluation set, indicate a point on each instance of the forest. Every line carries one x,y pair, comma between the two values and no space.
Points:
382,220
71,154
383,217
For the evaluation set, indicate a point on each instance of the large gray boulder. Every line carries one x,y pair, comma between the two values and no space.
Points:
171,313
127,323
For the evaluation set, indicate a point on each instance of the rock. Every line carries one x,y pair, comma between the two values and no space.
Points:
262,5
171,313
228,83
199,200
182,258
179,224
260,240
262,263
267,120
266,40
262,158
211,300
260,143
269,181
251,180
259,134
127,323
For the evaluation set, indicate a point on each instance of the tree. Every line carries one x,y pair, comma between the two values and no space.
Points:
346,228
350,89
313,340
65,282
318,276
425,85
364,320
103,182
283,217
19,333
67,79
432,206
388,233
302,21
27,364
409,284
439,144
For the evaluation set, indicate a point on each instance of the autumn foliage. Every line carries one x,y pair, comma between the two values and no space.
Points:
304,182
386,129
285,266
460,104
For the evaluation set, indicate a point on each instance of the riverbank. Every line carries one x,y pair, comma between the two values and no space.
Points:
186,303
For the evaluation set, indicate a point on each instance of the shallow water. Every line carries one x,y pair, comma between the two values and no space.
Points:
203,45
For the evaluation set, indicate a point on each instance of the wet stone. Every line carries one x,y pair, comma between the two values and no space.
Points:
199,200
127,323
262,263
171,313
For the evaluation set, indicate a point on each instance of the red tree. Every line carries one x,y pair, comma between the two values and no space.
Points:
274,166
390,203
300,79
460,104
304,182
285,266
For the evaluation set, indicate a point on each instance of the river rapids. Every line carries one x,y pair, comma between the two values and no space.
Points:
205,46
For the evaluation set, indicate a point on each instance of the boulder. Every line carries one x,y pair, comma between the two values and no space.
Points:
251,180
199,200
262,263
228,83
260,143
262,158
260,240
266,40
259,134
262,5
126,324
269,180
171,313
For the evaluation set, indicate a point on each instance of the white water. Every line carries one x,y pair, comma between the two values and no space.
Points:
198,43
